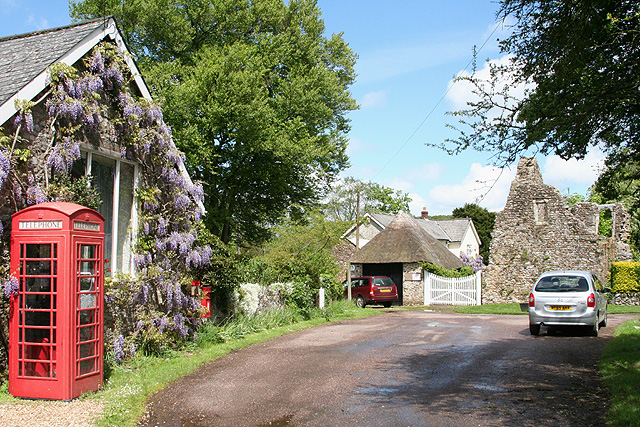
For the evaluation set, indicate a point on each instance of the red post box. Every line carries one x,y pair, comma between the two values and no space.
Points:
204,293
56,323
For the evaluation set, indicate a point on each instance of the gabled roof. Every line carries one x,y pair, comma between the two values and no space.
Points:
457,228
402,241
24,58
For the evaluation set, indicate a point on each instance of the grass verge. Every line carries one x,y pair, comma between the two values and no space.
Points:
620,370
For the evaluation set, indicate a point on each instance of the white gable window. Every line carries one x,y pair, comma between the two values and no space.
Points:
116,181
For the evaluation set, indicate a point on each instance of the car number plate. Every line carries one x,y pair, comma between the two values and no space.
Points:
385,290
560,307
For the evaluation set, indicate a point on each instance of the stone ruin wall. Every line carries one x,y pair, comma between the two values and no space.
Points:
537,232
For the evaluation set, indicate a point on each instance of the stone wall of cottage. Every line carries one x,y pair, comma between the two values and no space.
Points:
412,284
537,232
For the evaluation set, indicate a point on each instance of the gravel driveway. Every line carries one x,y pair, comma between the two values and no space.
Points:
406,368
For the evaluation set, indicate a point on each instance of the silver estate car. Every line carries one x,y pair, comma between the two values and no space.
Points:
567,298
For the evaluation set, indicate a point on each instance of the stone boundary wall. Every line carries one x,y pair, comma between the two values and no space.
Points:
625,299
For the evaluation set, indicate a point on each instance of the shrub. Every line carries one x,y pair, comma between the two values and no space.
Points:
625,277
445,272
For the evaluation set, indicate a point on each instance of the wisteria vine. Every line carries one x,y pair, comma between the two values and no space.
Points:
97,106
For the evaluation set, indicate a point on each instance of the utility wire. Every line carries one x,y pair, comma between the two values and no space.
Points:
471,61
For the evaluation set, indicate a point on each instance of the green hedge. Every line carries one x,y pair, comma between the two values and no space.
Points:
625,277
444,272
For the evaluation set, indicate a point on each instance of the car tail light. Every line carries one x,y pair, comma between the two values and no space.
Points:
532,300
591,300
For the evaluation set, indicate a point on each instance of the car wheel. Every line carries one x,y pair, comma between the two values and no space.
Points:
534,329
386,304
593,330
360,301
604,321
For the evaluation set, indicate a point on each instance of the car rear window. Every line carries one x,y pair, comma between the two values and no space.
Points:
382,281
562,284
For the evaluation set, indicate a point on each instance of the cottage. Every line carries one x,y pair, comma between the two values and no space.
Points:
459,235
537,231
25,62
397,252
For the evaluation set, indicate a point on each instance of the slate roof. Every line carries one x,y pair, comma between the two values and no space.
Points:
25,56
432,227
405,240
455,228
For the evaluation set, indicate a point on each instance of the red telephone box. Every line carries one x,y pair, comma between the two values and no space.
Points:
56,324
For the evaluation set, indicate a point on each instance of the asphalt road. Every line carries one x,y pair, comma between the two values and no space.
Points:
402,368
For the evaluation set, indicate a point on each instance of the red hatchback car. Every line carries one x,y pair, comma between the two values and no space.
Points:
372,290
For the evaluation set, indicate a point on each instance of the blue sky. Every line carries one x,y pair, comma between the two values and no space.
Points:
409,53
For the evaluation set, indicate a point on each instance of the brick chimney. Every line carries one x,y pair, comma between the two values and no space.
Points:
424,213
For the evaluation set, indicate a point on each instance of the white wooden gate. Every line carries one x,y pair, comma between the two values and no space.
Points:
452,290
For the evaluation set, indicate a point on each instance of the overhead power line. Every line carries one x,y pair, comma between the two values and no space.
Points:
471,61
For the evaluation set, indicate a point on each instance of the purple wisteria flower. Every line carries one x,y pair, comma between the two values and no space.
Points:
475,263
63,155
97,63
10,287
5,166
35,195
118,348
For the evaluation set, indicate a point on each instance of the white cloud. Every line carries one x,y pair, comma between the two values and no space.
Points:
374,99
416,204
39,23
569,174
487,186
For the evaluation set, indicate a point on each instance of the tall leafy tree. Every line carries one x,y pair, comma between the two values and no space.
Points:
256,95
483,220
342,201
581,62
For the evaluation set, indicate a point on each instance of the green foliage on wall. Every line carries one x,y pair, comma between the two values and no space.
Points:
444,272
625,277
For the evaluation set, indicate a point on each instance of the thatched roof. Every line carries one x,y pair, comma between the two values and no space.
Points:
404,240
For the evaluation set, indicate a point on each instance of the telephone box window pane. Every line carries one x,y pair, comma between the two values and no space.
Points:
38,284
87,334
87,284
87,251
86,350
36,335
37,318
38,250
87,268
86,301
41,268
87,317
38,302
87,366
36,369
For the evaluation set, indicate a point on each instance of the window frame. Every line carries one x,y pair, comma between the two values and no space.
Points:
115,212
